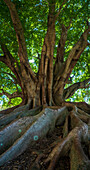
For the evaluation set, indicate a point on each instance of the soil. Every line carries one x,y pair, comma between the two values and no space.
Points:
39,152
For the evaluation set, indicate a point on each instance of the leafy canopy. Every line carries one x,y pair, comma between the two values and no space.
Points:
33,16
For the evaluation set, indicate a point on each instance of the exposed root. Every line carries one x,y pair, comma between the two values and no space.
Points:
65,128
70,106
58,151
71,144
44,123
83,106
78,159
7,111
75,132
18,113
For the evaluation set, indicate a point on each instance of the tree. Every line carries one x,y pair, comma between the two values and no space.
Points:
43,91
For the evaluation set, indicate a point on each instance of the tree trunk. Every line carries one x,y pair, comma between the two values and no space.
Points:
43,99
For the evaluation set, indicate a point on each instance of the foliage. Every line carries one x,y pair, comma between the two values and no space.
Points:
33,16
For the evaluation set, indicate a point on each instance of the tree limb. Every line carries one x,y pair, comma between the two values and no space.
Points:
72,59
68,92
61,45
60,9
60,49
9,60
60,52
75,53
22,52
11,96
77,50
13,77
18,28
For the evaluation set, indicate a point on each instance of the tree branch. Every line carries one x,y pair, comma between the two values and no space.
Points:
60,52
72,59
22,52
60,9
59,64
61,45
68,92
13,95
10,62
75,54
60,49
13,77
18,28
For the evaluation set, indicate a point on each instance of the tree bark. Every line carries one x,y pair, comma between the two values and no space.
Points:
24,131
22,127
68,92
45,120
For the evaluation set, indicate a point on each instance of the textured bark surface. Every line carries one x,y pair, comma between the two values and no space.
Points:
38,126
43,99
31,126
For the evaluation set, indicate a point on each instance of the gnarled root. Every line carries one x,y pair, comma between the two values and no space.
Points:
71,144
75,123
35,128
